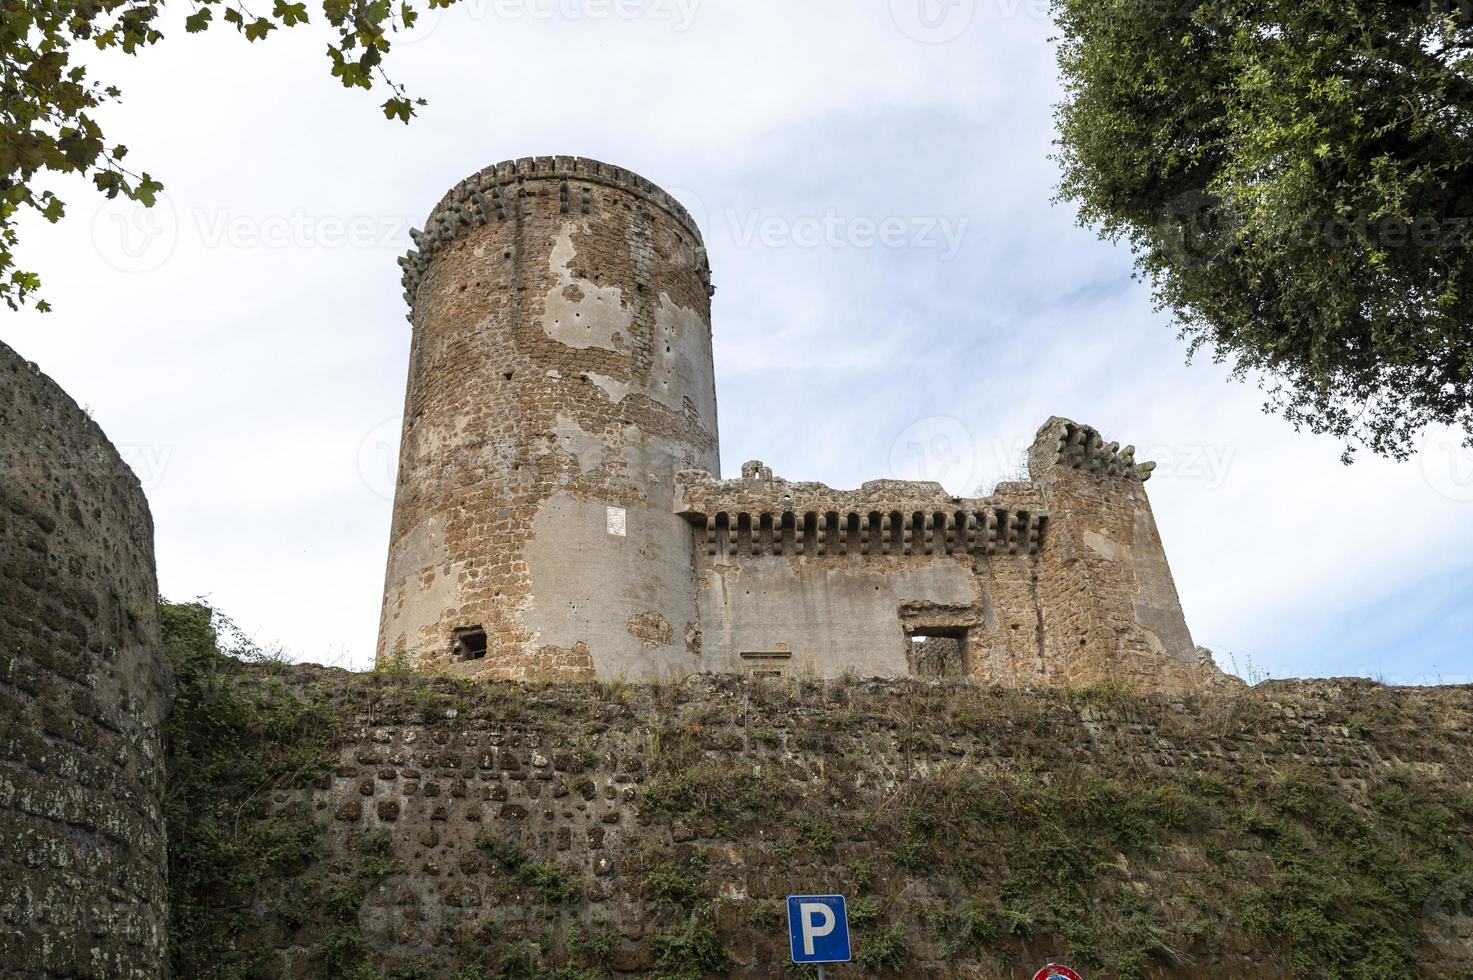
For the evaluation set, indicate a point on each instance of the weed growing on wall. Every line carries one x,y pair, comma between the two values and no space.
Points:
974,830
232,740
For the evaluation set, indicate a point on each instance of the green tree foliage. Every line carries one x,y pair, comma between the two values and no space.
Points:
49,98
1295,178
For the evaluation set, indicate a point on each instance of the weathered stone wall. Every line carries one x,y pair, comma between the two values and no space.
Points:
812,581
560,376
82,697
1059,580
475,830
1108,605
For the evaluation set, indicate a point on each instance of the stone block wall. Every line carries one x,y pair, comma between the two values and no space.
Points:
82,697
1318,828
560,376
1109,609
1057,580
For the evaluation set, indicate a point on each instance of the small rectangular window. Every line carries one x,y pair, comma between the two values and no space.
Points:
469,644
939,654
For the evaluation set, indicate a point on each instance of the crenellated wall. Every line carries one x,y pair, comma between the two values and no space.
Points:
83,694
1059,580
1109,606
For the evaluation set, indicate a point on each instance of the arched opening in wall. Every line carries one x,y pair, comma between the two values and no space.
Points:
724,542
937,652
469,643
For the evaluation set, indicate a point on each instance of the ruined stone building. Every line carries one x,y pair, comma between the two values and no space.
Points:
559,511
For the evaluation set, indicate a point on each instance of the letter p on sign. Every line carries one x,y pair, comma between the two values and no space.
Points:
818,921
818,929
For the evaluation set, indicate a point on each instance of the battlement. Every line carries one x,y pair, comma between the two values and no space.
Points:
489,195
1062,442
760,514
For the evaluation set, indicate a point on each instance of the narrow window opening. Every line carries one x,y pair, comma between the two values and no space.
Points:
469,644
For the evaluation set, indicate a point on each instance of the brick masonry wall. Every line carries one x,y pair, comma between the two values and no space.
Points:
501,830
82,697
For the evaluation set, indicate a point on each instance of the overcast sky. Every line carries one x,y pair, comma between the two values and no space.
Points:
874,182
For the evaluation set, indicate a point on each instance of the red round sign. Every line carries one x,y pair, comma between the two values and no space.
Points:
1055,970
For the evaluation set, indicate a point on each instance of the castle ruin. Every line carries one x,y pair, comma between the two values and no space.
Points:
559,512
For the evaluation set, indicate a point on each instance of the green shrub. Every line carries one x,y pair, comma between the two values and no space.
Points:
692,951
765,915
889,950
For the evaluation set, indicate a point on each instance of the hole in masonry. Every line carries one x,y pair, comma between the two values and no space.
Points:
937,652
469,644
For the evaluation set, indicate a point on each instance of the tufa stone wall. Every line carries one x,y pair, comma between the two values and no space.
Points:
82,697
560,375
574,831
1057,580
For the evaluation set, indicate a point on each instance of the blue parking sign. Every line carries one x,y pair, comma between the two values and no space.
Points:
818,929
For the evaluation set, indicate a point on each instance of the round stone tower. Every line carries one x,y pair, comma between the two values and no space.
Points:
83,695
560,376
